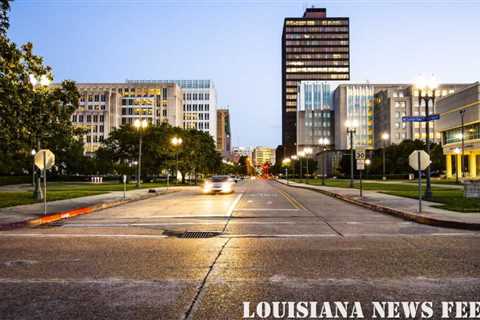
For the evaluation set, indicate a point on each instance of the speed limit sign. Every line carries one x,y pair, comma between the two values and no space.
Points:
360,154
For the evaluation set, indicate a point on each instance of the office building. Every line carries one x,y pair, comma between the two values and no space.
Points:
199,103
354,103
451,107
223,132
314,47
105,106
395,101
263,155
314,114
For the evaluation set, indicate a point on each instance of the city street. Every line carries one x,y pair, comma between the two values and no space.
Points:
274,243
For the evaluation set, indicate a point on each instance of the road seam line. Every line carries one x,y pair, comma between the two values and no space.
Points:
204,281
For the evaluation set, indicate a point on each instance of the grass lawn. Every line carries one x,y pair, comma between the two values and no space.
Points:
448,198
67,190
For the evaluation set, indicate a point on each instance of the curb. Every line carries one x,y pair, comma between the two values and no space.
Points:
53,217
409,216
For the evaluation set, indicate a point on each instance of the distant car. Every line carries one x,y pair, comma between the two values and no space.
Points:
218,184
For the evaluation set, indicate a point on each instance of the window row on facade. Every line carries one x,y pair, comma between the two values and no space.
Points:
316,22
294,36
196,96
196,107
316,29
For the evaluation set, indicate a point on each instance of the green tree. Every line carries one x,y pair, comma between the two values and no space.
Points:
32,116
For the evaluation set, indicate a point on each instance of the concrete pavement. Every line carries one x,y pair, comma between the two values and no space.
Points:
406,207
276,244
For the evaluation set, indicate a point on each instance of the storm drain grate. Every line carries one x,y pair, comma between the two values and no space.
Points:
192,234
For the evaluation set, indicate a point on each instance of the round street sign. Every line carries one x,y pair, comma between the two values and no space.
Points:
44,157
424,160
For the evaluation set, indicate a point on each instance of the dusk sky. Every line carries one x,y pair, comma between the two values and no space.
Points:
237,44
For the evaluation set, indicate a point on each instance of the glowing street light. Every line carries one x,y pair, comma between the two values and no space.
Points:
426,92
324,142
139,126
351,130
176,142
385,137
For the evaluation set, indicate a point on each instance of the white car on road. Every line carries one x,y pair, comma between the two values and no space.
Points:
218,184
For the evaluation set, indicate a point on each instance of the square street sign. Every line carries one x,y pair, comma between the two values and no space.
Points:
360,164
360,153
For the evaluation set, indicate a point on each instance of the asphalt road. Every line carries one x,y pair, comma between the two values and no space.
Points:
274,243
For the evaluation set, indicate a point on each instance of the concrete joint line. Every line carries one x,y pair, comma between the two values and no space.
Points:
188,314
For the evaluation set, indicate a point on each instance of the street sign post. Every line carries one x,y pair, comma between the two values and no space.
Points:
419,160
44,160
360,168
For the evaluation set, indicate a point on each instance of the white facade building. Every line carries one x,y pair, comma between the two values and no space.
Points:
199,103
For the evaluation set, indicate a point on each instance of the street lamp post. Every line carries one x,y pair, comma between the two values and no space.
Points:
385,137
38,82
351,129
462,116
426,92
176,142
308,152
457,152
286,163
294,157
324,142
140,125
33,152
300,155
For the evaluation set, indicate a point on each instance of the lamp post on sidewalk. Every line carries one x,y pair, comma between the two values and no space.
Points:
38,82
457,152
286,163
176,142
294,157
324,142
308,151
351,129
300,155
385,137
426,93
140,125
462,116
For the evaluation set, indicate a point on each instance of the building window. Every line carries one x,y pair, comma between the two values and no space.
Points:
164,112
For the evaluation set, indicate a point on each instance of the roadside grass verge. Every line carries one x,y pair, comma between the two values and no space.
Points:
68,190
447,198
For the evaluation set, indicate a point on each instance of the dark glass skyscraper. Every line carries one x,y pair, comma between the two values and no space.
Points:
314,47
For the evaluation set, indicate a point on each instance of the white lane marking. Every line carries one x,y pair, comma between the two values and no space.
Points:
267,209
233,205
250,201
269,202
68,235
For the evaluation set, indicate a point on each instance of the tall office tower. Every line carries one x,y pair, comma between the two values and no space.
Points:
223,132
314,47
106,106
199,103
314,115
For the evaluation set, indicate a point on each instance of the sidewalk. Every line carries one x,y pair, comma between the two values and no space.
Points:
405,208
437,185
19,214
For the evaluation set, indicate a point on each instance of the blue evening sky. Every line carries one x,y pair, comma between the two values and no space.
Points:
237,44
